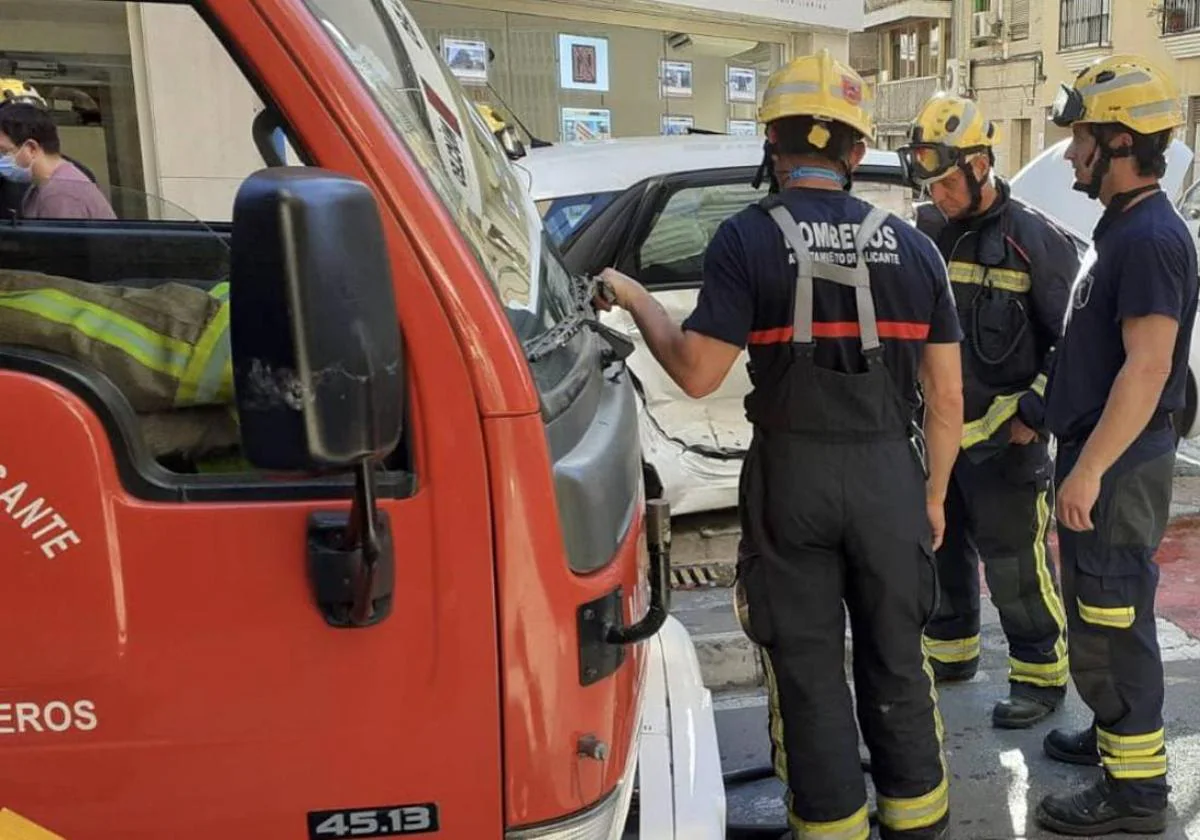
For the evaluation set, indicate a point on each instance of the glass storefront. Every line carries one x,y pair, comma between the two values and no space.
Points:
572,80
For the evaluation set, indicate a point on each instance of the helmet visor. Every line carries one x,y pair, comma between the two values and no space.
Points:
925,163
1067,107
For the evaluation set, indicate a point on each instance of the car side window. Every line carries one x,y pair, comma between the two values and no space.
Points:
673,250
1189,205
563,216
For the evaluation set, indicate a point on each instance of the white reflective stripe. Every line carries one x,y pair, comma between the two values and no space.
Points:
1137,77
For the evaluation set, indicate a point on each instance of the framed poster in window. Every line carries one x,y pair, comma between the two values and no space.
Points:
467,60
676,78
677,124
580,124
582,63
742,83
742,128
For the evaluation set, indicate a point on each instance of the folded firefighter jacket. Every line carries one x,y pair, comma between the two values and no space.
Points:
166,348
1011,270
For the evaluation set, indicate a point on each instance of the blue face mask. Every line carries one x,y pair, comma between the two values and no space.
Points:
10,171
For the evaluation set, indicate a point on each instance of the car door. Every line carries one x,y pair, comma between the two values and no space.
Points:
697,445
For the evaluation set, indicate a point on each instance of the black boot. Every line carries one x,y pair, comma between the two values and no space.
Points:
944,672
1072,747
1099,809
1025,706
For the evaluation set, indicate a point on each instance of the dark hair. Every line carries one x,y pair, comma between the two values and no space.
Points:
22,123
792,138
1149,150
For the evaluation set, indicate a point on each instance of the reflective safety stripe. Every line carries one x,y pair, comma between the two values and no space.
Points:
154,351
1007,279
1120,618
857,826
1131,746
951,650
917,812
1048,674
208,379
1039,385
1133,756
1002,409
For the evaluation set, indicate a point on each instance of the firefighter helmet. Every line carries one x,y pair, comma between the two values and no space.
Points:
947,131
1124,89
822,87
16,91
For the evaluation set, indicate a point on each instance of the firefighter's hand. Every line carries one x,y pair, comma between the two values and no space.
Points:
1076,498
618,292
936,512
1022,435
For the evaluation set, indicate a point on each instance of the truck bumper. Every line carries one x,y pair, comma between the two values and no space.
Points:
681,794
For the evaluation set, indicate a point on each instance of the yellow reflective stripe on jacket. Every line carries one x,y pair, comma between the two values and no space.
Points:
1119,617
154,351
1002,409
208,378
1000,278
916,812
1038,386
951,650
857,826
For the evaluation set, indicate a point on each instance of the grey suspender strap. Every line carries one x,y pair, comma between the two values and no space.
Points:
857,278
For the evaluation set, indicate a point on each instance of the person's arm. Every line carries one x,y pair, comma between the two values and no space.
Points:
942,386
1149,306
1149,347
1052,271
699,354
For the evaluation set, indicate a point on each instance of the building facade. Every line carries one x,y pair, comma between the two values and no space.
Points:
578,69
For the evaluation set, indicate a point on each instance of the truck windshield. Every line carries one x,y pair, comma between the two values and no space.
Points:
462,160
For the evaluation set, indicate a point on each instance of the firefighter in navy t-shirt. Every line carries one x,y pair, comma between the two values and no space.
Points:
1119,376
1011,271
845,309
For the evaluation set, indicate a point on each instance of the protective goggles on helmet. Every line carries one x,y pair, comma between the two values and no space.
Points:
1067,108
924,163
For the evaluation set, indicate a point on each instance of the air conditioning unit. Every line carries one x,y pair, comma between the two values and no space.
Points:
984,26
955,78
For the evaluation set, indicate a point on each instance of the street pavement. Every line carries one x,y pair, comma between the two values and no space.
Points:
998,777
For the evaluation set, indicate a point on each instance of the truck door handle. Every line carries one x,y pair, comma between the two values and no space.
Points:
658,542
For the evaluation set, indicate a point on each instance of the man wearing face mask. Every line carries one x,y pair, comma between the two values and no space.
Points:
1119,376
55,187
1011,270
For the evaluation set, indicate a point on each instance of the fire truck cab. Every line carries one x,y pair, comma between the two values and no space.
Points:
435,599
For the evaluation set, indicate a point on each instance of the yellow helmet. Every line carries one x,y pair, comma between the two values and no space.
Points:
819,86
947,131
18,91
1123,89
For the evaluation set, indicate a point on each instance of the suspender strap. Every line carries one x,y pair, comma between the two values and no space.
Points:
857,278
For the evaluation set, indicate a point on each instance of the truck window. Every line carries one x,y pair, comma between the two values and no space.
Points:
121,176
463,162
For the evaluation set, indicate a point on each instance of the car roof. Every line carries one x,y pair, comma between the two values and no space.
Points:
601,166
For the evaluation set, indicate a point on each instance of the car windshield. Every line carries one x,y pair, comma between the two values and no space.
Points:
462,160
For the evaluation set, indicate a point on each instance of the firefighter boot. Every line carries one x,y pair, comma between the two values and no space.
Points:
1072,747
1026,706
1100,809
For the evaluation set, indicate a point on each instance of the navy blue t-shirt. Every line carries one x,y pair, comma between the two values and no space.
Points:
750,283
1145,265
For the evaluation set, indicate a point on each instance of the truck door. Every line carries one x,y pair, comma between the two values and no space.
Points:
169,670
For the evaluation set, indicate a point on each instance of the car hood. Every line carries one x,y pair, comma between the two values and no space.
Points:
1045,183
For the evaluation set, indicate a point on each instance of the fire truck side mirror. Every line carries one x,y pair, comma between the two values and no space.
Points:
317,351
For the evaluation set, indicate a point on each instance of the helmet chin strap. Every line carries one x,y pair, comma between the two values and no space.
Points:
766,172
1100,163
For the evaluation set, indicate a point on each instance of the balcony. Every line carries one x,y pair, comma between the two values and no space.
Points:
1181,28
896,103
887,12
